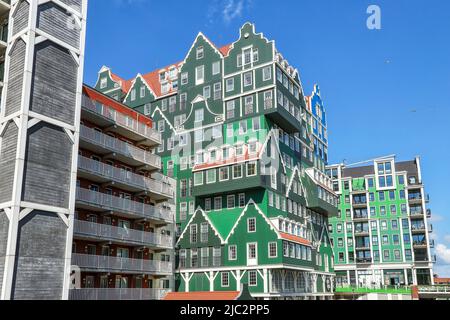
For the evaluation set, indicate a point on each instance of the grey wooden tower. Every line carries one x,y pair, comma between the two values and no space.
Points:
39,132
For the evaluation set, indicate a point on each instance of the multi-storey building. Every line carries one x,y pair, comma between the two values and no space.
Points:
317,118
39,136
123,230
381,234
253,199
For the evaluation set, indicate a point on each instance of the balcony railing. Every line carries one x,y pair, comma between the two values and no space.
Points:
414,197
361,216
121,119
363,260
122,265
112,233
109,202
129,178
121,147
117,294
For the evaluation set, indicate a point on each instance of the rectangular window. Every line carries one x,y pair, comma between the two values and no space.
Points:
199,115
216,68
194,233
267,73
223,174
273,251
232,253
268,100
230,110
194,258
248,79
208,204
184,78
251,169
231,202
251,225
225,279
217,91
211,176
218,203
205,256
230,84
248,105
237,171
200,53
199,75
207,92
204,230
252,278
198,178
241,200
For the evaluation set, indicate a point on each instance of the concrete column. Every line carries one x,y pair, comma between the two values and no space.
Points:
39,132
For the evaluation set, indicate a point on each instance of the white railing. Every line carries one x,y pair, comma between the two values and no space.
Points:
113,203
117,294
116,145
121,234
121,175
434,289
121,119
119,264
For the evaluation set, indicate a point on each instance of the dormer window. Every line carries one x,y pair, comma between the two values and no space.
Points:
200,53
165,88
162,76
173,73
103,83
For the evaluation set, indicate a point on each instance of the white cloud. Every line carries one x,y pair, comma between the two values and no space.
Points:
437,218
443,253
232,9
227,10
447,238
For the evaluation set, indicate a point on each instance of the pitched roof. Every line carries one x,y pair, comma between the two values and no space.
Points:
116,105
203,296
224,222
152,78
124,84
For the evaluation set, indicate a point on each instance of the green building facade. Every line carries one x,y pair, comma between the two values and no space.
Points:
381,234
253,200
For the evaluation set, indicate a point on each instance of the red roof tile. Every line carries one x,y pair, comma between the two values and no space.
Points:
107,101
152,78
296,239
203,296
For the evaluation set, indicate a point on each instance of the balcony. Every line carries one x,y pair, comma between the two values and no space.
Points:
360,203
282,117
117,294
363,216
102,232
94,263
415,198
428,213
420,244
363,260
96,201
113,148
114,121
362,247
103,173
418,228
416,213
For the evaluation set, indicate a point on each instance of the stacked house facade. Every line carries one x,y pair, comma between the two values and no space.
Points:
123,234
381,235
252,199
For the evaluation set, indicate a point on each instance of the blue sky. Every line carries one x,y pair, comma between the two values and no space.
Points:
386,91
